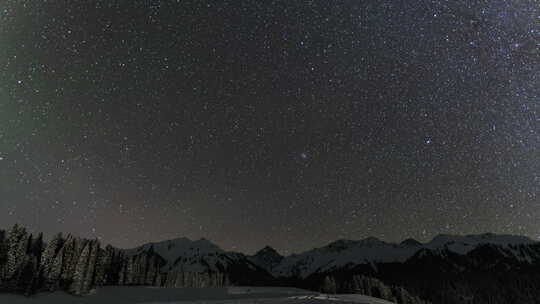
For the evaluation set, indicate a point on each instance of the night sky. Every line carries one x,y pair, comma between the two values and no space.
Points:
287,123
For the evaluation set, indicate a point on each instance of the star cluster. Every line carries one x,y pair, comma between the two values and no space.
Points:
288,123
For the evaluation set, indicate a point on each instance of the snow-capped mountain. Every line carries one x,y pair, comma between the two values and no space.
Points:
341,253
188,255
267,258
348,253
463,244
485,268
201,263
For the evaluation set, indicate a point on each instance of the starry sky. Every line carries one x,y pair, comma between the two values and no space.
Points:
287,123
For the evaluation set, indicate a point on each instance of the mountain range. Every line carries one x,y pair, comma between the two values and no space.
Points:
484,268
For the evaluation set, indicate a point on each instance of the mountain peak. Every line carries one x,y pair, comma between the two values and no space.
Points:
266,258
411,242
267,253
267,250
171,249
370,241
344,244
341,244
464,243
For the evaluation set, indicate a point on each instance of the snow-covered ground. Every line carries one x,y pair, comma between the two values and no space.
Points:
225,295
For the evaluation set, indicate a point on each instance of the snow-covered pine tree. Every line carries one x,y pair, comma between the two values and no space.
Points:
122,273
80,270
88,281
68,252
142,269
329,285
102,259
128,280
109,266
135,269
151,271
158,281
17,247
48,257
54,275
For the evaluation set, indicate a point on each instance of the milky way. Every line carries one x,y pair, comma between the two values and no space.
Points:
288,123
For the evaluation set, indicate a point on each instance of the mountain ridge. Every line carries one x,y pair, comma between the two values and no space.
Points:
448,269
514,238
332,255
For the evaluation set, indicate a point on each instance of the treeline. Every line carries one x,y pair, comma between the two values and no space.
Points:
76,265
371,287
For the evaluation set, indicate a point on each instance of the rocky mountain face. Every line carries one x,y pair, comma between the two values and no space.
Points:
267,258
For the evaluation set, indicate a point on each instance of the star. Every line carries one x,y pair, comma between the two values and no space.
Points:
233,117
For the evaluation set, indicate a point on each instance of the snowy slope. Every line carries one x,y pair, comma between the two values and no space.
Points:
202,255
193,256
133,295
171,249
343,298
347,253
189,255
342,253
267,258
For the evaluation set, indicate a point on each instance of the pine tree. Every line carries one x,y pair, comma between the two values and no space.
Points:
151,272
55,271
122,274
68,251
329,285
101,265
71,256
80,270
158,281
30,278
129,272
88,281
17,247
36,247
113,266
48,258
4,245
